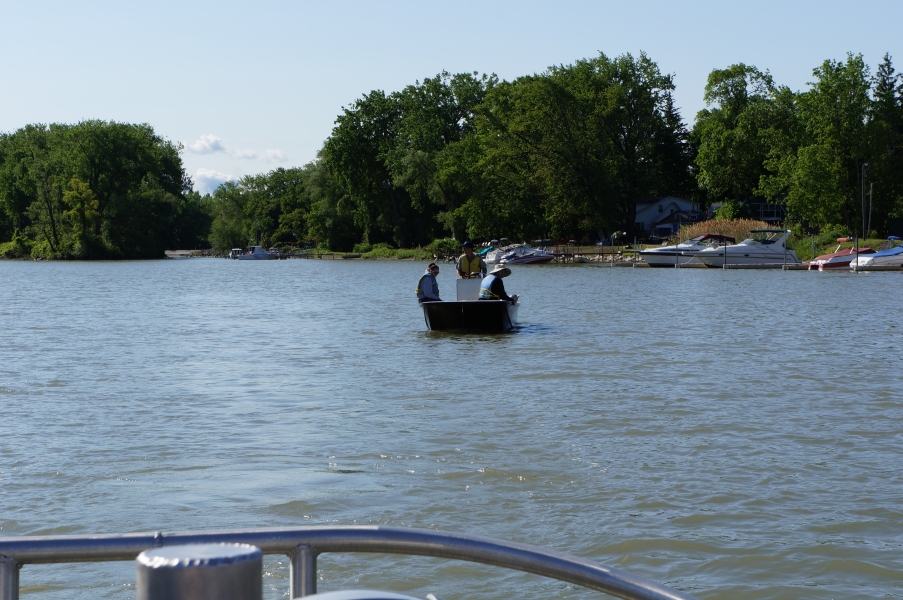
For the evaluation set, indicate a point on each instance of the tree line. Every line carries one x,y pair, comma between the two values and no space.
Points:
571,151
95,190
565,153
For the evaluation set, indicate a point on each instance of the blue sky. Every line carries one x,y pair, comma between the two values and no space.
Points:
249,87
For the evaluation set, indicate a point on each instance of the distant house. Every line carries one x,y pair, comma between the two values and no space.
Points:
664,216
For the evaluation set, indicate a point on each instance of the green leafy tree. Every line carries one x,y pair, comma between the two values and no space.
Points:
135,178
731,151
818,164
192,221
885,136
331,221
227,230
431,151
81,218
356,154
584,141
269,208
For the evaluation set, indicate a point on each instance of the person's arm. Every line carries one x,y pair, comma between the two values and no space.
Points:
434,289
483,268
420,291
498,288
458,268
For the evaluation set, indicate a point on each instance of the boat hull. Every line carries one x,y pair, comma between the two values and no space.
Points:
666,259
711,259
470,315
886,258
839,263
529,260
258,257
889,261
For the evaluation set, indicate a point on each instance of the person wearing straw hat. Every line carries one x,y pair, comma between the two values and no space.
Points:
492,287
469,264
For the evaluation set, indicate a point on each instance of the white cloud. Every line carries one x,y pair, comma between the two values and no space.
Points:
276,155
207,144
242,153
207,180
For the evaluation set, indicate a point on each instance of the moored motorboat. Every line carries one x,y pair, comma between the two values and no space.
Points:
518,254
769,248
685,252
523,254
840,258
891,257
258,253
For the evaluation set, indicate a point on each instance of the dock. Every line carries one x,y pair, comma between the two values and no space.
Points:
878,268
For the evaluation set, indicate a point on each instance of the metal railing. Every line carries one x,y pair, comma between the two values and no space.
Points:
302,545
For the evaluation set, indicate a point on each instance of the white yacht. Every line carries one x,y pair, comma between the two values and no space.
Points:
685,252
767,248
258,253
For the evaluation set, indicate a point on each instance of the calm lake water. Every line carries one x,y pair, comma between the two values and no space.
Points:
734,434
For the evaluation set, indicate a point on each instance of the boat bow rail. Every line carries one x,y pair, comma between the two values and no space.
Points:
303,545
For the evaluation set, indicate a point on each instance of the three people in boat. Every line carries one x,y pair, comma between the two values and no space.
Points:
470,265
492,287
428,287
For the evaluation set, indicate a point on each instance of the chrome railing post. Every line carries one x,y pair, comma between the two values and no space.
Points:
9,578
303,571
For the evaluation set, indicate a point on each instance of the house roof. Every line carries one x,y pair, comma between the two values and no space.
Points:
667,202
673,218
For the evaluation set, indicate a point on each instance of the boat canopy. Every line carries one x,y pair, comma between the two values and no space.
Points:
714,236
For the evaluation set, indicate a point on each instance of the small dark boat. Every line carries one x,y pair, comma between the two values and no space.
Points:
470,315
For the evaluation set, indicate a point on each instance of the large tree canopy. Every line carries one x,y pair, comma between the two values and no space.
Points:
566,153
731,149
402,158
94,190
583,142
842,124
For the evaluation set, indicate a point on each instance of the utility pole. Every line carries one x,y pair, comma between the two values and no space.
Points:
865,168
871,191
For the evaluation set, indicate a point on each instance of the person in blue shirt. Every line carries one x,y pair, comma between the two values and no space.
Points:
428,287
492,287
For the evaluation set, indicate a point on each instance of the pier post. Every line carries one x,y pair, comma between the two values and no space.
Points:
200,572
9,578
303,571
